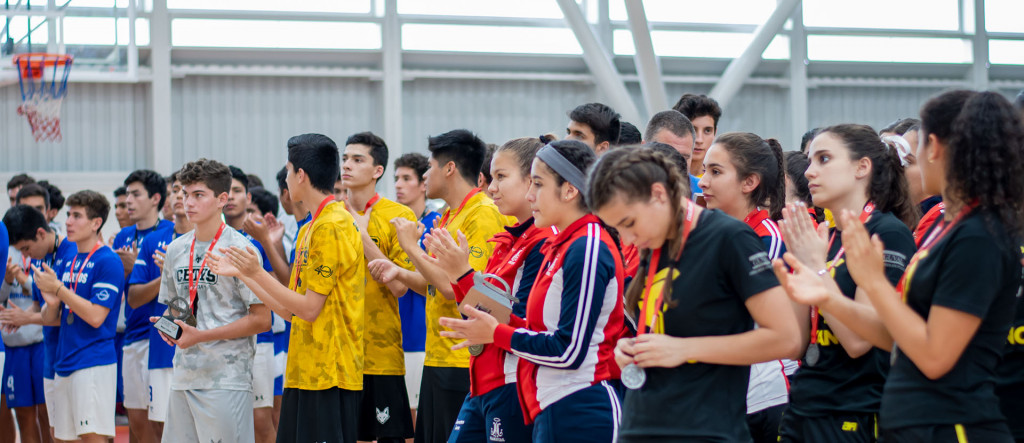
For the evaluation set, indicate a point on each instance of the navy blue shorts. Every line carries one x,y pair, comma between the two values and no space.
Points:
495,416
23,376
588,415
119,348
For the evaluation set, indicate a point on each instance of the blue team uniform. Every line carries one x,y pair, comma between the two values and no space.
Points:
412,308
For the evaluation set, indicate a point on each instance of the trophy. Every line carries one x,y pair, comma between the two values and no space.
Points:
490,299
178,309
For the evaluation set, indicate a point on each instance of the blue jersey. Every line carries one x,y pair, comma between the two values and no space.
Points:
160,353
268,335
300,223
137,319
4,244
413,306
56,261
99,281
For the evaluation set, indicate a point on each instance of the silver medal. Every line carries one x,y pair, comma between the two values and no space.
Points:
812,355
633,376
476,350
892,356
71,318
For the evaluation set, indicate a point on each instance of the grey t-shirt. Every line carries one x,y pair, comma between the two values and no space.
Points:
15,294
222,364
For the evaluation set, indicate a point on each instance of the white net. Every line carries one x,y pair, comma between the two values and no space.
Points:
43,114
43,81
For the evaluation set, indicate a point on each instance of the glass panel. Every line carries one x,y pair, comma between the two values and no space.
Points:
504,39
482,8
1004,15
1006,52
888,49
274,34
712,44
748,12
883,14
352,6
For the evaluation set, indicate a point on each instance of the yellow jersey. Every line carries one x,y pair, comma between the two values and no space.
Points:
479,219
328,352
383,333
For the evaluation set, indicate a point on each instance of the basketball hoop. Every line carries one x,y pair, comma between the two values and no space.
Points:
43,79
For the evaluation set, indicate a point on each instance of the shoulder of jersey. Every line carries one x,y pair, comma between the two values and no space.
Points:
887,222
393,208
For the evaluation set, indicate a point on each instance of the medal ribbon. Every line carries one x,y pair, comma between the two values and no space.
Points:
864,216
193,287
932,238
444,220
652,272
75,277
305,238
370,203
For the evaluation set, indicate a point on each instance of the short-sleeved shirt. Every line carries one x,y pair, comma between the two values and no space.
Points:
161,354
4,246
221,364
479,219
137,323
328,352
973,270
383,330
100,280
26,334
51,334
723,264
1010,373
268,335
838,383
412,307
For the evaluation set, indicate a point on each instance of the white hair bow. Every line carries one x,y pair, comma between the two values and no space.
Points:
901,145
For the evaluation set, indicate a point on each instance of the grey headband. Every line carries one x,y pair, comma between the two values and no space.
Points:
554,159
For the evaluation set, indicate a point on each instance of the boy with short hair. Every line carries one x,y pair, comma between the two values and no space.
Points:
704,113
211,388
83,297
121,207
596,125
385,413
324,300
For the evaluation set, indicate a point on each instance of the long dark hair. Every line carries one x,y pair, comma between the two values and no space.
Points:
753,155
630,173
984,140
888,187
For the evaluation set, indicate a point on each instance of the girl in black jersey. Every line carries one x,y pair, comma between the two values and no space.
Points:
837,391
704,279
950,313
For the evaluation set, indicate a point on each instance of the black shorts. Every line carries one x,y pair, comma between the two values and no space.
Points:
764,424
442,392
329,416
988,433
384,413
844,428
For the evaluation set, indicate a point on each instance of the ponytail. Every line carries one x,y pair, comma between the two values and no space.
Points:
752,155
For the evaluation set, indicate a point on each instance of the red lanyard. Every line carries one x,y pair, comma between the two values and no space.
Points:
864,216
652,272
904,286
444,220
75,277
309,229
370,203
193,287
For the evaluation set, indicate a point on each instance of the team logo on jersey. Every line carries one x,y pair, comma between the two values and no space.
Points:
759,263
376,240
496,433
476,251
893,259
103,295
204,276
323,271
383,416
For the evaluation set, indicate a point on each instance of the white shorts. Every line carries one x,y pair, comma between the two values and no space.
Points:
135,372
160,393
209,415
263,368
48,393
414,375
84,402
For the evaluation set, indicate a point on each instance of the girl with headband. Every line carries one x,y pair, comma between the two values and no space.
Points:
744,177
836,394
946,320
574,314
516,260
703,281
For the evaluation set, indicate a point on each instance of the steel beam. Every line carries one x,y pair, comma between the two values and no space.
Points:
647,65
979,44
599,61
741,67
391,67
798,103
161,142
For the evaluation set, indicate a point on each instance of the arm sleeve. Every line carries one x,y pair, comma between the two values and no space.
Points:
243,290
329,252
480,228
395,253
145,270
168,285
530,269
586,272
899,247
108,277
966,261
748,268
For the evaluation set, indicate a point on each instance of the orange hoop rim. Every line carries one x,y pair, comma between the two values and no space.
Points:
35,62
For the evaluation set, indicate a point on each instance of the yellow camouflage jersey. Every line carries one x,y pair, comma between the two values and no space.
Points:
383,333
479,219
329,352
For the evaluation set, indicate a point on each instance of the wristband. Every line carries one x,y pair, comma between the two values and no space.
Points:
467,274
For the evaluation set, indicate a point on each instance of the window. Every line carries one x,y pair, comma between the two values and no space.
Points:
97,31
700,44
1006,52
506,39
350,6
748,12
883,14
517,8
1004,15
888,49
274,34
